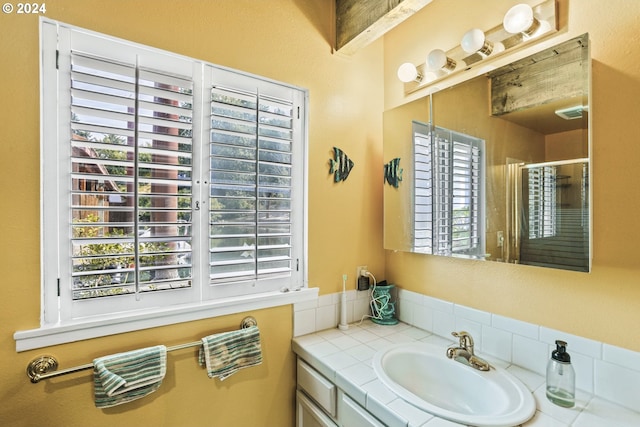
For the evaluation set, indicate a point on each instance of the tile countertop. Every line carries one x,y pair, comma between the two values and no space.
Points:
345,357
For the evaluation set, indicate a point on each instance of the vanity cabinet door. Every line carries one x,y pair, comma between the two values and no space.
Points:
350,414
317,387
309,415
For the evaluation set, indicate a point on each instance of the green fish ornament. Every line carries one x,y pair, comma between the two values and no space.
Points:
341,166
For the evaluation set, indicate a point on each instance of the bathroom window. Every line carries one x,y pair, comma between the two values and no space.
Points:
449,192
167,181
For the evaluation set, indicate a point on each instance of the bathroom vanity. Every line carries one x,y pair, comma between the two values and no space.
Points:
337,384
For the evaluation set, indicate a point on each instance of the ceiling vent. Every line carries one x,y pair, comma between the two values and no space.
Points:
571,113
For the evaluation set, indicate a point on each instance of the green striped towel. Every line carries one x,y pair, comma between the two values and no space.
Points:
224,354
123,377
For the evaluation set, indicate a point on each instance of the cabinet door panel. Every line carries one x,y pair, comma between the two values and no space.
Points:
309,415
352,414
317,387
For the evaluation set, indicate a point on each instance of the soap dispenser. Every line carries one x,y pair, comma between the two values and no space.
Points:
561,378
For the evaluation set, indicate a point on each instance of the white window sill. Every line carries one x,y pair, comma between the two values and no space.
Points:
110,325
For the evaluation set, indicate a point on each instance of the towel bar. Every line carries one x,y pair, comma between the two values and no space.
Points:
44,367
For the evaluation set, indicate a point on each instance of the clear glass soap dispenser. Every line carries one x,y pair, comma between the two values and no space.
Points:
561,378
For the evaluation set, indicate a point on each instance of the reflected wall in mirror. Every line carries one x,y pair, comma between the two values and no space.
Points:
533,202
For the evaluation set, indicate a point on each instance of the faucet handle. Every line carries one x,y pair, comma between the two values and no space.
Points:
465,339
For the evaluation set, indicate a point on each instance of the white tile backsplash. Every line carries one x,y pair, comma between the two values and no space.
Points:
423,318
326,316
496,342
437,304
531,354
444,323
472,314
605,371
620,356
515,326
584,365
618,384
304,321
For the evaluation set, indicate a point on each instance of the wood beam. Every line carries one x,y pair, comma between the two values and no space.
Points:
544,78
360,22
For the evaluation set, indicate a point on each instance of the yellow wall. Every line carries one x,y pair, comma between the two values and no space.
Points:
287,40
605,304
566,145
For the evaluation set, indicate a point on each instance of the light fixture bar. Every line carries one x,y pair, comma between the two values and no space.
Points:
544,12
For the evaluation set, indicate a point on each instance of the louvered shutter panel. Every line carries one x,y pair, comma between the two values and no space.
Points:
251,182
103,102
466,190
448,191
131,180
423,189
541,201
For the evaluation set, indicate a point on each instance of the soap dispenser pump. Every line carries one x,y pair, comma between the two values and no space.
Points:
561,378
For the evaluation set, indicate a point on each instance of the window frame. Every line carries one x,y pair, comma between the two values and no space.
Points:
56,330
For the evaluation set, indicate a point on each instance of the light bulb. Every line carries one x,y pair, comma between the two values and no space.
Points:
438,59
430,76
475,41
407,72
520,19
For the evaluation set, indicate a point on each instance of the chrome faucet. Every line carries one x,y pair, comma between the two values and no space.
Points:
464,352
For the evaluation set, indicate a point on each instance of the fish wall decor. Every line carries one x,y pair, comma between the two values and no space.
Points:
393,172
340,166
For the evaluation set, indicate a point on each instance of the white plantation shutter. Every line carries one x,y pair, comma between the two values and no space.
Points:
166,180
449,191
131,179
466,157
252,173
541,201
424,187
129,135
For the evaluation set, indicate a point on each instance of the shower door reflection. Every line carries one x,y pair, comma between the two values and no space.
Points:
554,215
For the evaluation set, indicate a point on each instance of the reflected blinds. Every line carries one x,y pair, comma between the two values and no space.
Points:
542,202
448,191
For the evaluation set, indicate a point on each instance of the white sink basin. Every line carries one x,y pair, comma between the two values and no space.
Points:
422,375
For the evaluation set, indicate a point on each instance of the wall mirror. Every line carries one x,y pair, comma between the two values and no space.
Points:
496,167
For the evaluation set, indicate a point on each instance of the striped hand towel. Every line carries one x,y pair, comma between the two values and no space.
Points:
123,377
224,354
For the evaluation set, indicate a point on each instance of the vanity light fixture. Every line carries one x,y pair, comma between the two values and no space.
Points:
438,60
521,25
408,72
475,42
521,20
